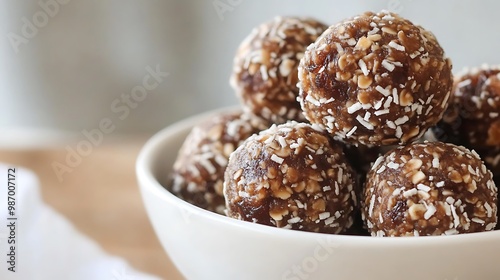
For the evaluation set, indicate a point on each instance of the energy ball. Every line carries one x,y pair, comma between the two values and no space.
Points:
375,79
291,176
198,172
265,67
473,118
430,188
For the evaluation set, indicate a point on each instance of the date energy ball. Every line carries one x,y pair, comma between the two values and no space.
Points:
375,79
291,176
198,172
430,188
265,67
473,117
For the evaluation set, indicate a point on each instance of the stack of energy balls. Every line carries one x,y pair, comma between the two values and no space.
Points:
331,129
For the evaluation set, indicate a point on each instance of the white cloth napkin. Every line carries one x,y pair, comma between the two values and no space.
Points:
47,245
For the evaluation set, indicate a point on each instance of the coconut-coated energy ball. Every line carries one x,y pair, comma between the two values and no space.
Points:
291,176
430,188
198,172
265,67
375,79
473,118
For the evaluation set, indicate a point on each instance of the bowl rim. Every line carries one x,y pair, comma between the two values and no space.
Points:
148,182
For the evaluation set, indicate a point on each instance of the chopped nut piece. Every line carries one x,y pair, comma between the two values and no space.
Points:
364,81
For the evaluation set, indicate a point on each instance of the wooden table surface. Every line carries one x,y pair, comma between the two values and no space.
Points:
101,198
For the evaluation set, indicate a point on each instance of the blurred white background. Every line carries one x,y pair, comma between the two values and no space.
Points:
65,64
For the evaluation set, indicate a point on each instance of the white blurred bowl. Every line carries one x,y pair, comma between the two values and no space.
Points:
205,245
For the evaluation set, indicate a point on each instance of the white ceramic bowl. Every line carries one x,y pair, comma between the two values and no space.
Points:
204,245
